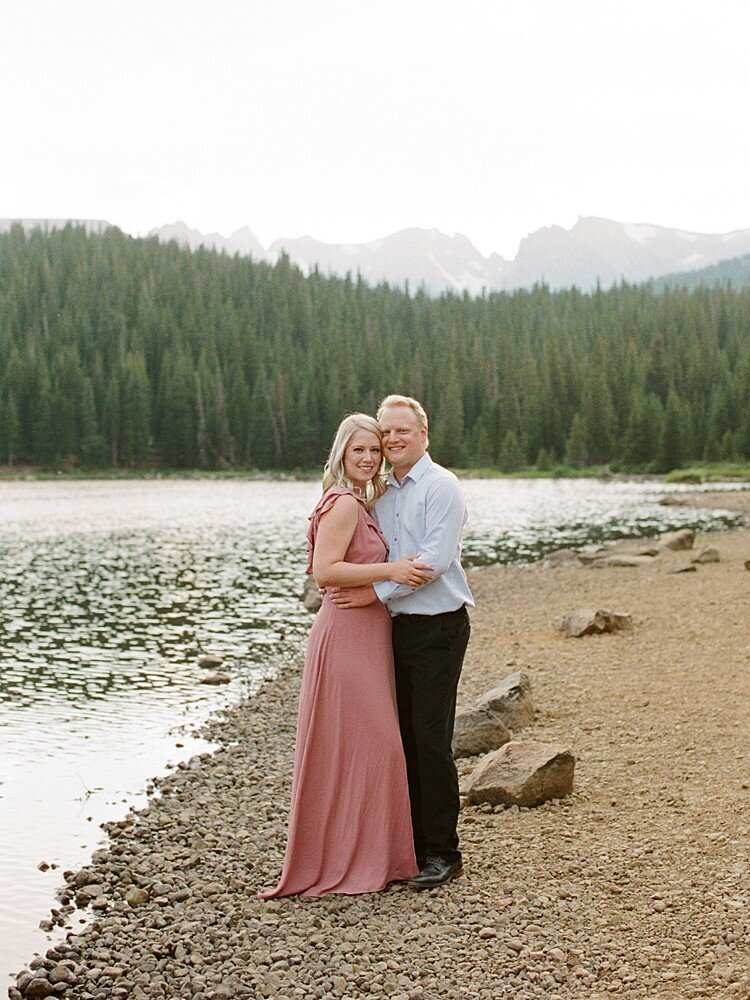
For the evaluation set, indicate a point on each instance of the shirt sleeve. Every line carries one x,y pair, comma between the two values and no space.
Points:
445,515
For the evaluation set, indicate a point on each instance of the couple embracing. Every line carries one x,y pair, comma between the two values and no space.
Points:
375,789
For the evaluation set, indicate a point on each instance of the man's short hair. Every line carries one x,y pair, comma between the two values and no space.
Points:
414,405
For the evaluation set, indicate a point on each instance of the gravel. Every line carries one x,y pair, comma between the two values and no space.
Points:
638,885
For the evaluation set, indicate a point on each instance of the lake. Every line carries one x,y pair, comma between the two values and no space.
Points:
110,591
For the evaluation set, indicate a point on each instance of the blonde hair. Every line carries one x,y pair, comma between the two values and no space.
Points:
413,404
333,471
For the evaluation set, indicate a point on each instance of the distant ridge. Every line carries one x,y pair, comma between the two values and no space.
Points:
593,251
735,272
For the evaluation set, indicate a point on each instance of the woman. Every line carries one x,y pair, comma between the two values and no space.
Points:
349,826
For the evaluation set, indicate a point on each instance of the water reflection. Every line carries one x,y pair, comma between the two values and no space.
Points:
522,520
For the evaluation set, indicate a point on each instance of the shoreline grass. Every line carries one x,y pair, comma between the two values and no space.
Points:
696,472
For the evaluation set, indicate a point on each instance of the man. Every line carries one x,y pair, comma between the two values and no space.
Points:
424,511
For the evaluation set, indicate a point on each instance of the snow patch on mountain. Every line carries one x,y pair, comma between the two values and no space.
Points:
639,232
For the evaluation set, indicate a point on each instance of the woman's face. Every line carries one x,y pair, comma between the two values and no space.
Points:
362,457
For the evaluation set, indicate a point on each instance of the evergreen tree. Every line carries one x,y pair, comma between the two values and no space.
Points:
642,432
576,448
599,420
511,457
10,431
543,460
670,453
135,409
179,414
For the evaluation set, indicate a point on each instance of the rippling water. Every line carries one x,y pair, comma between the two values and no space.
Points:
109,591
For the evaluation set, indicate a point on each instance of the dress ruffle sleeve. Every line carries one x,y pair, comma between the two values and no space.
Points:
324,504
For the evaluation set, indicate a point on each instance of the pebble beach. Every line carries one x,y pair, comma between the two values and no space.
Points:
637,885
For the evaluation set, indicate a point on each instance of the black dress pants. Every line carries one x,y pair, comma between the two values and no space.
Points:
429,653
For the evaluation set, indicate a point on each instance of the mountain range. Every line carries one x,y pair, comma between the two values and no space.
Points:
593,251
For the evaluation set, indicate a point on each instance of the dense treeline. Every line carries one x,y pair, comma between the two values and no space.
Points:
117,351
735,272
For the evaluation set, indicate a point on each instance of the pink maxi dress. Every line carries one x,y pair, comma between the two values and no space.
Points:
350,825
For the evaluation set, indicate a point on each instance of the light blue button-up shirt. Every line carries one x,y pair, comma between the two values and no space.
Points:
425,513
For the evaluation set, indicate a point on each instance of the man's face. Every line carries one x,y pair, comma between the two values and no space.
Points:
404,441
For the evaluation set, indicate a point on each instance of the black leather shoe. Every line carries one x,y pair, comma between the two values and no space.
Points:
436,872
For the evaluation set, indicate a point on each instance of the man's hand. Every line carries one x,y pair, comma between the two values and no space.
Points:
352,597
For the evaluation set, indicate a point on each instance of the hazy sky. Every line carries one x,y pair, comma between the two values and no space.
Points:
348,120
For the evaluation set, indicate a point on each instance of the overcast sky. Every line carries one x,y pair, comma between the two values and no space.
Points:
349,120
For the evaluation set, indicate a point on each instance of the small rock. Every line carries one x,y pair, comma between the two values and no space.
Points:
487,933
747,564
478,731
136,897
91,891
678,540
587,621
683,568
43,866
511,701
620,561
61,974
216,679
673,501
311,594
523,773
707,555
38,988
213,889
84,877
210,662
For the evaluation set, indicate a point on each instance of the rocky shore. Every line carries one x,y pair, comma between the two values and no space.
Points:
637,885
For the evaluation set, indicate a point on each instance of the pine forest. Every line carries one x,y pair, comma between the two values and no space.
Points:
127,353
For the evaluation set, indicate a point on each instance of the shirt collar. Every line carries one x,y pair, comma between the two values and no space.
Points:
415,473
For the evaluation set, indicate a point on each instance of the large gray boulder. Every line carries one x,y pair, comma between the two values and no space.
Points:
311,594
476,731
588,621
522,773
511,701
678,541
